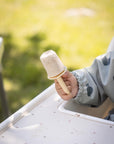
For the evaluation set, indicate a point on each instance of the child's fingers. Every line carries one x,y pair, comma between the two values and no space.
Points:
67,83
60,92
66,96
58,85
69,88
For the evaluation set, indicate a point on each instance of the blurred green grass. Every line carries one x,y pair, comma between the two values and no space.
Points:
31,27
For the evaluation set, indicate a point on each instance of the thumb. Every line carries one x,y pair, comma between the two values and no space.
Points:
67,74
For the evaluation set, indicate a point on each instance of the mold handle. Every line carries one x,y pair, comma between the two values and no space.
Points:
63,85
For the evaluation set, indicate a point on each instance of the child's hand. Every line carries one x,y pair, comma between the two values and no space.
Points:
71,83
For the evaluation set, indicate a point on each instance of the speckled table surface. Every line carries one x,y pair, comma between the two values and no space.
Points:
42,121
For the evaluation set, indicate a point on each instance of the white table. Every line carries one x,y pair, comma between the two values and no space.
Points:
45,121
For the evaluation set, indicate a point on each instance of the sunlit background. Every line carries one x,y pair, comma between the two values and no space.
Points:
78,30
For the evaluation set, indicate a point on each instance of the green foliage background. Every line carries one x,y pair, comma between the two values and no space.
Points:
31,27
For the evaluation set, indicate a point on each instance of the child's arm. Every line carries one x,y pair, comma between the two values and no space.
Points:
95,83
